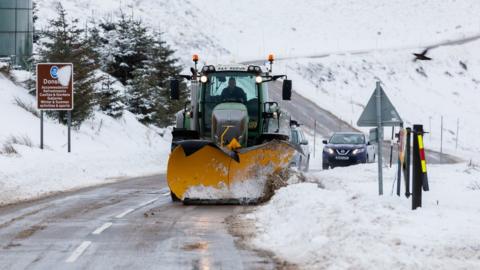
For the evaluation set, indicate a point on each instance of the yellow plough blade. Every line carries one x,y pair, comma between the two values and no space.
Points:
211,173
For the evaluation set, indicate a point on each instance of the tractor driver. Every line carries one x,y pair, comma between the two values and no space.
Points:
232,92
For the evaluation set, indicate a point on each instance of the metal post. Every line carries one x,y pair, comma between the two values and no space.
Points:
441,139
406,163
456,140
69,133
399,163
16,34
314,137
391,147
417,177
41,129
380,137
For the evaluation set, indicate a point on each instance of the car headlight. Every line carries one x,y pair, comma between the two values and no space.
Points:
358,151
329,150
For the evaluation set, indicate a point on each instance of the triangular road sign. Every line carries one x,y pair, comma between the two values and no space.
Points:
389,114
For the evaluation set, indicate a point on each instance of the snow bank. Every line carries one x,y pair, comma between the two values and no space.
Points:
103,149
348,226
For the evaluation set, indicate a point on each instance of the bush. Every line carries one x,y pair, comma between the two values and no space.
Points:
8,147
29,107
475,185
5,67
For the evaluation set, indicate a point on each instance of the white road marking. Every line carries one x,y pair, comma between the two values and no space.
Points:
147,203
128,211
78,252
166,194
105,226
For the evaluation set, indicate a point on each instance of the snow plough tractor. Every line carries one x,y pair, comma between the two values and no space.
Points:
230,138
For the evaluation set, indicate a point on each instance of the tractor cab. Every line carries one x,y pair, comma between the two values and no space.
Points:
230,103
231,97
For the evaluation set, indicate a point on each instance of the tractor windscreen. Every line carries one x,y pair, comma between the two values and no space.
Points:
238,87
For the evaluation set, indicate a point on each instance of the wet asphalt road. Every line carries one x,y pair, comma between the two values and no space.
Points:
127,225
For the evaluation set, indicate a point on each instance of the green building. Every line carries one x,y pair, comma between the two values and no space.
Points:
16,30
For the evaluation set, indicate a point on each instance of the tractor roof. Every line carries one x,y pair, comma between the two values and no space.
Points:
232,67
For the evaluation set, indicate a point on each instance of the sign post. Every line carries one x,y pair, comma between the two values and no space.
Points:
379,113
314,137
55,92
41,130
378,95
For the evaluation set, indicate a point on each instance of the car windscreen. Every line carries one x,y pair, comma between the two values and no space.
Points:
347,139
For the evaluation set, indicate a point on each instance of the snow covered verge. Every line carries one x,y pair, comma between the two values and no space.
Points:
423,91
339,221
103,149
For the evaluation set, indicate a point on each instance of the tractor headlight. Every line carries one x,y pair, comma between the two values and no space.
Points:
259,79
204,79
358,151
329,150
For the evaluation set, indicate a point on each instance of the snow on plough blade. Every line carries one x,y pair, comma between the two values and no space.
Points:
199,171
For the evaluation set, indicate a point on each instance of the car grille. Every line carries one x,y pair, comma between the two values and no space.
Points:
342,152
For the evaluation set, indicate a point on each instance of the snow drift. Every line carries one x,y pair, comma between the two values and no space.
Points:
103,149
348,226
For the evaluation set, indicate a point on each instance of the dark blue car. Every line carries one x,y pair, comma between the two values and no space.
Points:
345,149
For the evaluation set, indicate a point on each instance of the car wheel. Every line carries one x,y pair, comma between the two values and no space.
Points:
174,197
325,166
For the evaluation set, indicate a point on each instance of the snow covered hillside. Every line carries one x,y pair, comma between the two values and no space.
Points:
103,149
230,30
342,83
422,92
340,222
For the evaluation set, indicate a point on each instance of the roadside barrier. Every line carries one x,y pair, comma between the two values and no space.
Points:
419,164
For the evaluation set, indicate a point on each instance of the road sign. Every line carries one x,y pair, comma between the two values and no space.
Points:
55,92
379,112
389,115
55,86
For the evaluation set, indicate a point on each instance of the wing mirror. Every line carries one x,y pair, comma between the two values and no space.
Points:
325,142
175,89
287,90
304,142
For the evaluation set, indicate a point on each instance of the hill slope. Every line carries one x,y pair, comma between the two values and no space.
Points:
101,149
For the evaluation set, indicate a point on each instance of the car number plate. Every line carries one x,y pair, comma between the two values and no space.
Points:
342,157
